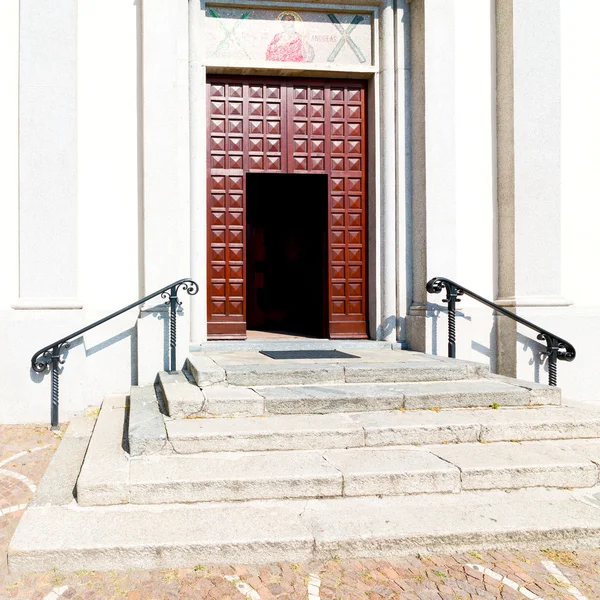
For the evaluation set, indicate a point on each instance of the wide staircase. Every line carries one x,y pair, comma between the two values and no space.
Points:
250,457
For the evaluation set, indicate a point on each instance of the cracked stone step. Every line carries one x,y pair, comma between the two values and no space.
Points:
171,536
362,397
386,428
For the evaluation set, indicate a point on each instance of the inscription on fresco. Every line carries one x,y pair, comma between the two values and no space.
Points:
250,36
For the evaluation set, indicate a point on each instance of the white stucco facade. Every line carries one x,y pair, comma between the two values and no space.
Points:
482,168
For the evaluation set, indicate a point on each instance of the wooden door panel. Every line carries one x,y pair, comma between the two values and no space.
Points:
287,126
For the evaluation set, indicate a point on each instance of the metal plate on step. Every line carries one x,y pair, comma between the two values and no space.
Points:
297,354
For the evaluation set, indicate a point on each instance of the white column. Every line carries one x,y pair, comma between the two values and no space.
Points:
48,155
198,228
387,327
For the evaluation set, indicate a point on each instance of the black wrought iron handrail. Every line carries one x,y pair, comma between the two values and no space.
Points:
50,355
556,347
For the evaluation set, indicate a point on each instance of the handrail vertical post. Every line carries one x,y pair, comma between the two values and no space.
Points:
173,327
552,361
54,399
451,299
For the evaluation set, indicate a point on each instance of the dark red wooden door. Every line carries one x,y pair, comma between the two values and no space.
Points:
286,126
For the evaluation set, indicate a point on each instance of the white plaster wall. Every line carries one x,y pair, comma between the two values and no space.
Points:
9,152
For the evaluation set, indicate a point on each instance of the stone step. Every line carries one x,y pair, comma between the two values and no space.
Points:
386,428
70,538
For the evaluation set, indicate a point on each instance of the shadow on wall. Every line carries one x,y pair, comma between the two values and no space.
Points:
538,358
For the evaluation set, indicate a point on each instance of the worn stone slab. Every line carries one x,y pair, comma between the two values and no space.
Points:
104,477
284,373
328,399
393,471
419,427
232,401
57,487
232,476
539,392
158,537
147,433
286,432
384,372
505,465
181,397
204,370
450,523
282,344
462,394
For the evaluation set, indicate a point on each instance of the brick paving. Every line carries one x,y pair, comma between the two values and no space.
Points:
410,578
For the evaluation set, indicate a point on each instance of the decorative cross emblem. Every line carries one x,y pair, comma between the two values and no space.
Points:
229,33
346,39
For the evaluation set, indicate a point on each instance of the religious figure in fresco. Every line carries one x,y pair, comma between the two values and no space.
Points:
291,45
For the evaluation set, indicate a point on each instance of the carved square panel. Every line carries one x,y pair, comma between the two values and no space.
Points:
255,109
337,184
273,145
337,164
217,161
354,147
255,91
355,307
217,144
236,201
236,307
353,130
256,127
317,128
255,144
236,272
235,144
317,111
217,254
300,128
217,90
217,126
236,236
300,146
236,91
273,109
338,289
338,255
300,93
217,183
337,146
236,290
338,219
338,272
217,307
236,161
354,164
354,271
301,111
355,237
354,184
218,219
338,307
317,94
218,236
217,290
354,219
273,163
217,271
338,237
236,126
256,162
217,108
236,253
273,93
273,127
337,111
337,94
236,183
236,219
355,288
354,112
317,146
235,109
354,202
317,163
300,163
337,202
355,254
217,201
337,129
353,95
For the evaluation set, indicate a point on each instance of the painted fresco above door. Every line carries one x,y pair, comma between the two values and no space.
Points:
247,36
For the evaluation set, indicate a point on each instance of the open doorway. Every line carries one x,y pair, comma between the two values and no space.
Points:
286,253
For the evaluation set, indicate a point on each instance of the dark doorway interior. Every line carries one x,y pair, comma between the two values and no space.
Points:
286,253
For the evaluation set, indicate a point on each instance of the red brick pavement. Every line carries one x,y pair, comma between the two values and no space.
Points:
410,578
